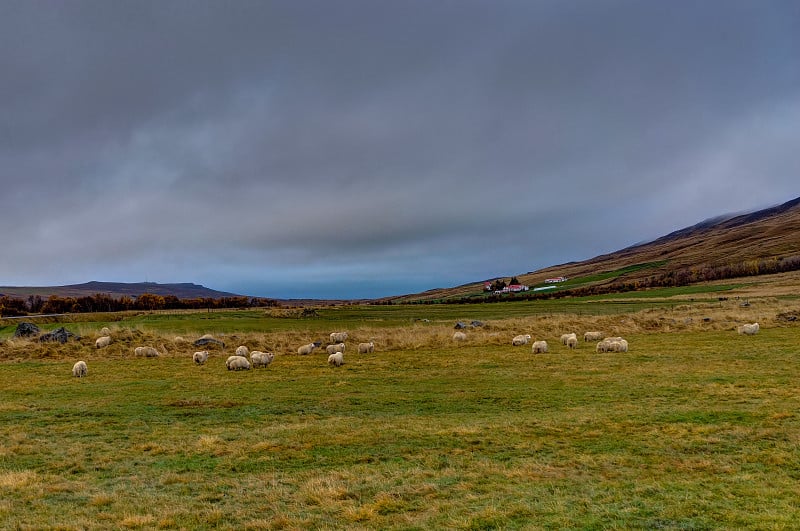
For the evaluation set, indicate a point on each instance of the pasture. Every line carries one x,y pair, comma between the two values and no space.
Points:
696,427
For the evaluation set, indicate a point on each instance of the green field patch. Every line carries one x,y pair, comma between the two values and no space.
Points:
671,292
606,275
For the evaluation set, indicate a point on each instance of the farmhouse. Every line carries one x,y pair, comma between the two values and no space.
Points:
555,279
513,288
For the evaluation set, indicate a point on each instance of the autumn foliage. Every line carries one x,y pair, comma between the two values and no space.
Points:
102,302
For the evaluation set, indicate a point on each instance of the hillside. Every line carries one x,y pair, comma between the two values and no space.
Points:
727,246
118,289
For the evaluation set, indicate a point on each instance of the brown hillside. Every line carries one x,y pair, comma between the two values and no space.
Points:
723,243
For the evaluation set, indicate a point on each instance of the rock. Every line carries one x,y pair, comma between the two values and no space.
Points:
476,324
26,330
203,341
61,335
459,325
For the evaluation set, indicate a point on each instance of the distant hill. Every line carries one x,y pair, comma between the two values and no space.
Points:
726,246
118,289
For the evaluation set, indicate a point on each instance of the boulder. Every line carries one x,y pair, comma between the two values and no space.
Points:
204,341
26,330
62,335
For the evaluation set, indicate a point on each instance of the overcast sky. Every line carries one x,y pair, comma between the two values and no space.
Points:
368,148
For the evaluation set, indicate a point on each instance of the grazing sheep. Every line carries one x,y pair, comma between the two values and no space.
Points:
612,344
565,337
105,331
237,363
261,359
539,347
593,336
518,341
366,348
338,337
102,342
336,359
339,347
200,357
147,352
242,351
748,329
79,370
306,349
459,336
603,346
572,341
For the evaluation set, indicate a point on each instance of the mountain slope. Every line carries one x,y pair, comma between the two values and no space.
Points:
735,242
118,289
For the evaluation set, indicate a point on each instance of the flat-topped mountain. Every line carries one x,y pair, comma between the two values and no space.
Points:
118,289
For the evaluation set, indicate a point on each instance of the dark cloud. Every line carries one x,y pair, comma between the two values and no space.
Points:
375,148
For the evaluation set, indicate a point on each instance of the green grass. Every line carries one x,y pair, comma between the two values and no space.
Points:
257,321
590,279
663,293
690,430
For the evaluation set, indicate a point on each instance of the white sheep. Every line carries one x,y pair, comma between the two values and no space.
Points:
105,331
237,363
748,329
603,346
593,336
572,341
102,342
339,347
565,337
459,336
261,359
242,351
338,337
366,348
306,349
336,359
612,344
539,347
79,370
147,352
518,341
200,357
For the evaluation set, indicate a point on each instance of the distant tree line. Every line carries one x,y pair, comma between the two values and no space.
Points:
102,302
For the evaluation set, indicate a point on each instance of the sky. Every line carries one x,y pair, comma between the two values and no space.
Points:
359,149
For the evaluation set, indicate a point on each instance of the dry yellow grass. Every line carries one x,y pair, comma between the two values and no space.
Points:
681,316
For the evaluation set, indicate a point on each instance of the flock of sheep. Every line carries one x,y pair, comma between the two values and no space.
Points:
239,361
606,344
335,350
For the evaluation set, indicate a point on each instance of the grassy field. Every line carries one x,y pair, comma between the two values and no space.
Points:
695,428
